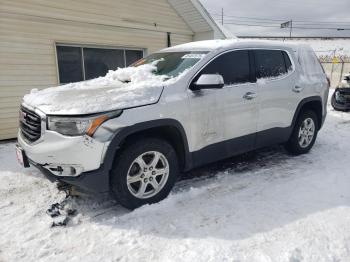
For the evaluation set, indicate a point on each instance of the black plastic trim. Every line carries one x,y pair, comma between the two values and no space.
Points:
92,181
307,100
120,136
222,150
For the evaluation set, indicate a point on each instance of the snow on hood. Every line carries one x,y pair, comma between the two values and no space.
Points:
119,89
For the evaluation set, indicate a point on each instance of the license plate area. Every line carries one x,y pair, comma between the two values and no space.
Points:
21,157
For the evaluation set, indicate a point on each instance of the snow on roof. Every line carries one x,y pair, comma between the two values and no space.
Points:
322,47
209,45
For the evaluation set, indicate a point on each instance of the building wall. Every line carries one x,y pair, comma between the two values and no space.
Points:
29,30
204,36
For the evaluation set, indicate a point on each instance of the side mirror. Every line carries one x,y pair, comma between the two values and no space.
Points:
208,81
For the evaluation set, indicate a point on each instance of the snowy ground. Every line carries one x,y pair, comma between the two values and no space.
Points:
267,206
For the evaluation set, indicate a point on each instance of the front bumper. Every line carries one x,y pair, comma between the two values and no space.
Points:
64,155
73,160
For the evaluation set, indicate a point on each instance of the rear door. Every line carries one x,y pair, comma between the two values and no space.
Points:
276,79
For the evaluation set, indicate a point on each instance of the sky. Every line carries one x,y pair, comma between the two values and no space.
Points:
270,13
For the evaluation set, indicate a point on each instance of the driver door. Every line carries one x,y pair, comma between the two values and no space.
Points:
224,121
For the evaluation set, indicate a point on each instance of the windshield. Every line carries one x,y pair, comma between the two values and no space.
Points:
172,64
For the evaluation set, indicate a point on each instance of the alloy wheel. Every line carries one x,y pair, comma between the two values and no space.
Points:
147,174
306,132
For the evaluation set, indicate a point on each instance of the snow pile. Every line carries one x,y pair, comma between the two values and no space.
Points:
122,88
143,74
267,207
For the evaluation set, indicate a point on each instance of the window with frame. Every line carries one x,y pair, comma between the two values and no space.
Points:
77,63
233,66
271,63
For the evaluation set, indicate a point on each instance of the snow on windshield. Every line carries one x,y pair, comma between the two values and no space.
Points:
172,64
121,88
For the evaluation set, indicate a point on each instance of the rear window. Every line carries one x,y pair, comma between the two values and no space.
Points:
271,63
310,65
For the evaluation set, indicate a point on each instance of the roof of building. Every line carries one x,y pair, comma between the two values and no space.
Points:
198,19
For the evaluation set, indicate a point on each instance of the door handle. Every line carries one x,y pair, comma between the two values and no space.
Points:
250,96
297,89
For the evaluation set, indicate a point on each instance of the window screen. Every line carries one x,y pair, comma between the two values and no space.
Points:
98,61
269,63
77,63
233,66
132,56
69,64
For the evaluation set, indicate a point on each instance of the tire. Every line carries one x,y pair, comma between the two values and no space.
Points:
134,177
302,143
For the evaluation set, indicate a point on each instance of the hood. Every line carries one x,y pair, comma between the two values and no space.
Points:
119,89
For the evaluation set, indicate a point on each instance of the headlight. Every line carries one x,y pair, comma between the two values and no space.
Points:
338,97
77,126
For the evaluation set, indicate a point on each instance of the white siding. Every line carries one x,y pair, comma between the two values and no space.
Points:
29,30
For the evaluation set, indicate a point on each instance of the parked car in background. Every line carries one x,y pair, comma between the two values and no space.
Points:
135,130
341,96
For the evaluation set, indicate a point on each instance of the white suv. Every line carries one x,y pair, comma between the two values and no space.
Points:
135,130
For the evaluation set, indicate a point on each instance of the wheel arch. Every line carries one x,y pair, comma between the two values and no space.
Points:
313,103
168,129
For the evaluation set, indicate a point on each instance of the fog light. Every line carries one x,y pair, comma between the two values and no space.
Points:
65,170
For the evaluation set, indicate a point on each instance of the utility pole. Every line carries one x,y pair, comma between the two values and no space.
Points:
291,28
222,16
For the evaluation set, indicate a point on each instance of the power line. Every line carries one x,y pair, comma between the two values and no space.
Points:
280,20
245,17
273,23
297,27
278,24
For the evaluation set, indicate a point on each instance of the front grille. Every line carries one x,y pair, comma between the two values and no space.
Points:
30,124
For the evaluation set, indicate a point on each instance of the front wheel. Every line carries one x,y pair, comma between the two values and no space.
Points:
304,133
144,172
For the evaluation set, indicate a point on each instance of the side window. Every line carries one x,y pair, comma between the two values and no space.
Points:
132,56
233,66
271,63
